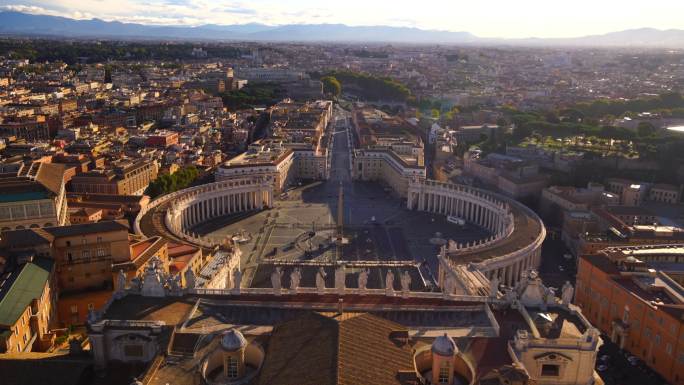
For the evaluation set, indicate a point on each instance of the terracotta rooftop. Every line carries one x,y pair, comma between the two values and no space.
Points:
354,349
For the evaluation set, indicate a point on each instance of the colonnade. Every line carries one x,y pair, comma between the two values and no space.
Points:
190,207
470,204
205,208
488,210
511,272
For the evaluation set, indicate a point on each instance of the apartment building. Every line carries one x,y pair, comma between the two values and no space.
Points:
510,175
27,305
31,129
125,177
33,196
263,159
634,295
87,260
634,193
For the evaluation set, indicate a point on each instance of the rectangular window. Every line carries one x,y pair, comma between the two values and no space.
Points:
232,367
133,350
444,373
549,370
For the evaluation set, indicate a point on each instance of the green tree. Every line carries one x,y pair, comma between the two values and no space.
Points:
645,129
331,86
169,183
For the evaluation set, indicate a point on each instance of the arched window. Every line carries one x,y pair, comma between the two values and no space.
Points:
444,371
232,364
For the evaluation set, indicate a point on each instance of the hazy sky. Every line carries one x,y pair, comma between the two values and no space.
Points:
485,18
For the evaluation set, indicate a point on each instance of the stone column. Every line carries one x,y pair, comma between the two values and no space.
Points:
99,350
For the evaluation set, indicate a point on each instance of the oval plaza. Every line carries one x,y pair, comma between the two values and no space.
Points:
506,244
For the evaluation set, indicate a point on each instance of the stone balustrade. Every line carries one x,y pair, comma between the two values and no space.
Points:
346,291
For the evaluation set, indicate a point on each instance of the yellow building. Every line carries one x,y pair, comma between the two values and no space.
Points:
26,307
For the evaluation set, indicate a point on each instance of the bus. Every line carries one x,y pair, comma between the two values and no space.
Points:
456,220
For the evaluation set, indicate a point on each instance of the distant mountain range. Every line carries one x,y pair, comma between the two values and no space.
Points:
17,23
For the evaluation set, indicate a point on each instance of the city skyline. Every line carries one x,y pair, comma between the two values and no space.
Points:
492,20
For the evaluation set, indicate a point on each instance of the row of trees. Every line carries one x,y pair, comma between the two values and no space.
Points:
331,86
253,94
527,123
97,52
368,86
669,103
169,183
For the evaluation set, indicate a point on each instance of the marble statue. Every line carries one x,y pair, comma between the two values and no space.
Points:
494,286
153,281
510,296
405,282
521,283
189,279
121,281
228,282
136,284
567,293
295,278
550,295
92,316
320,280
276,276
449,286
340,278
363,279
237,279
389,282
174,284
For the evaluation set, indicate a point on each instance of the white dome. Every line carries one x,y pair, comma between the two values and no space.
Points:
444,346
233,340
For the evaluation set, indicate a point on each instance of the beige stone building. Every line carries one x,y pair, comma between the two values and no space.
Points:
126,177
33,197
87,259
387,166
